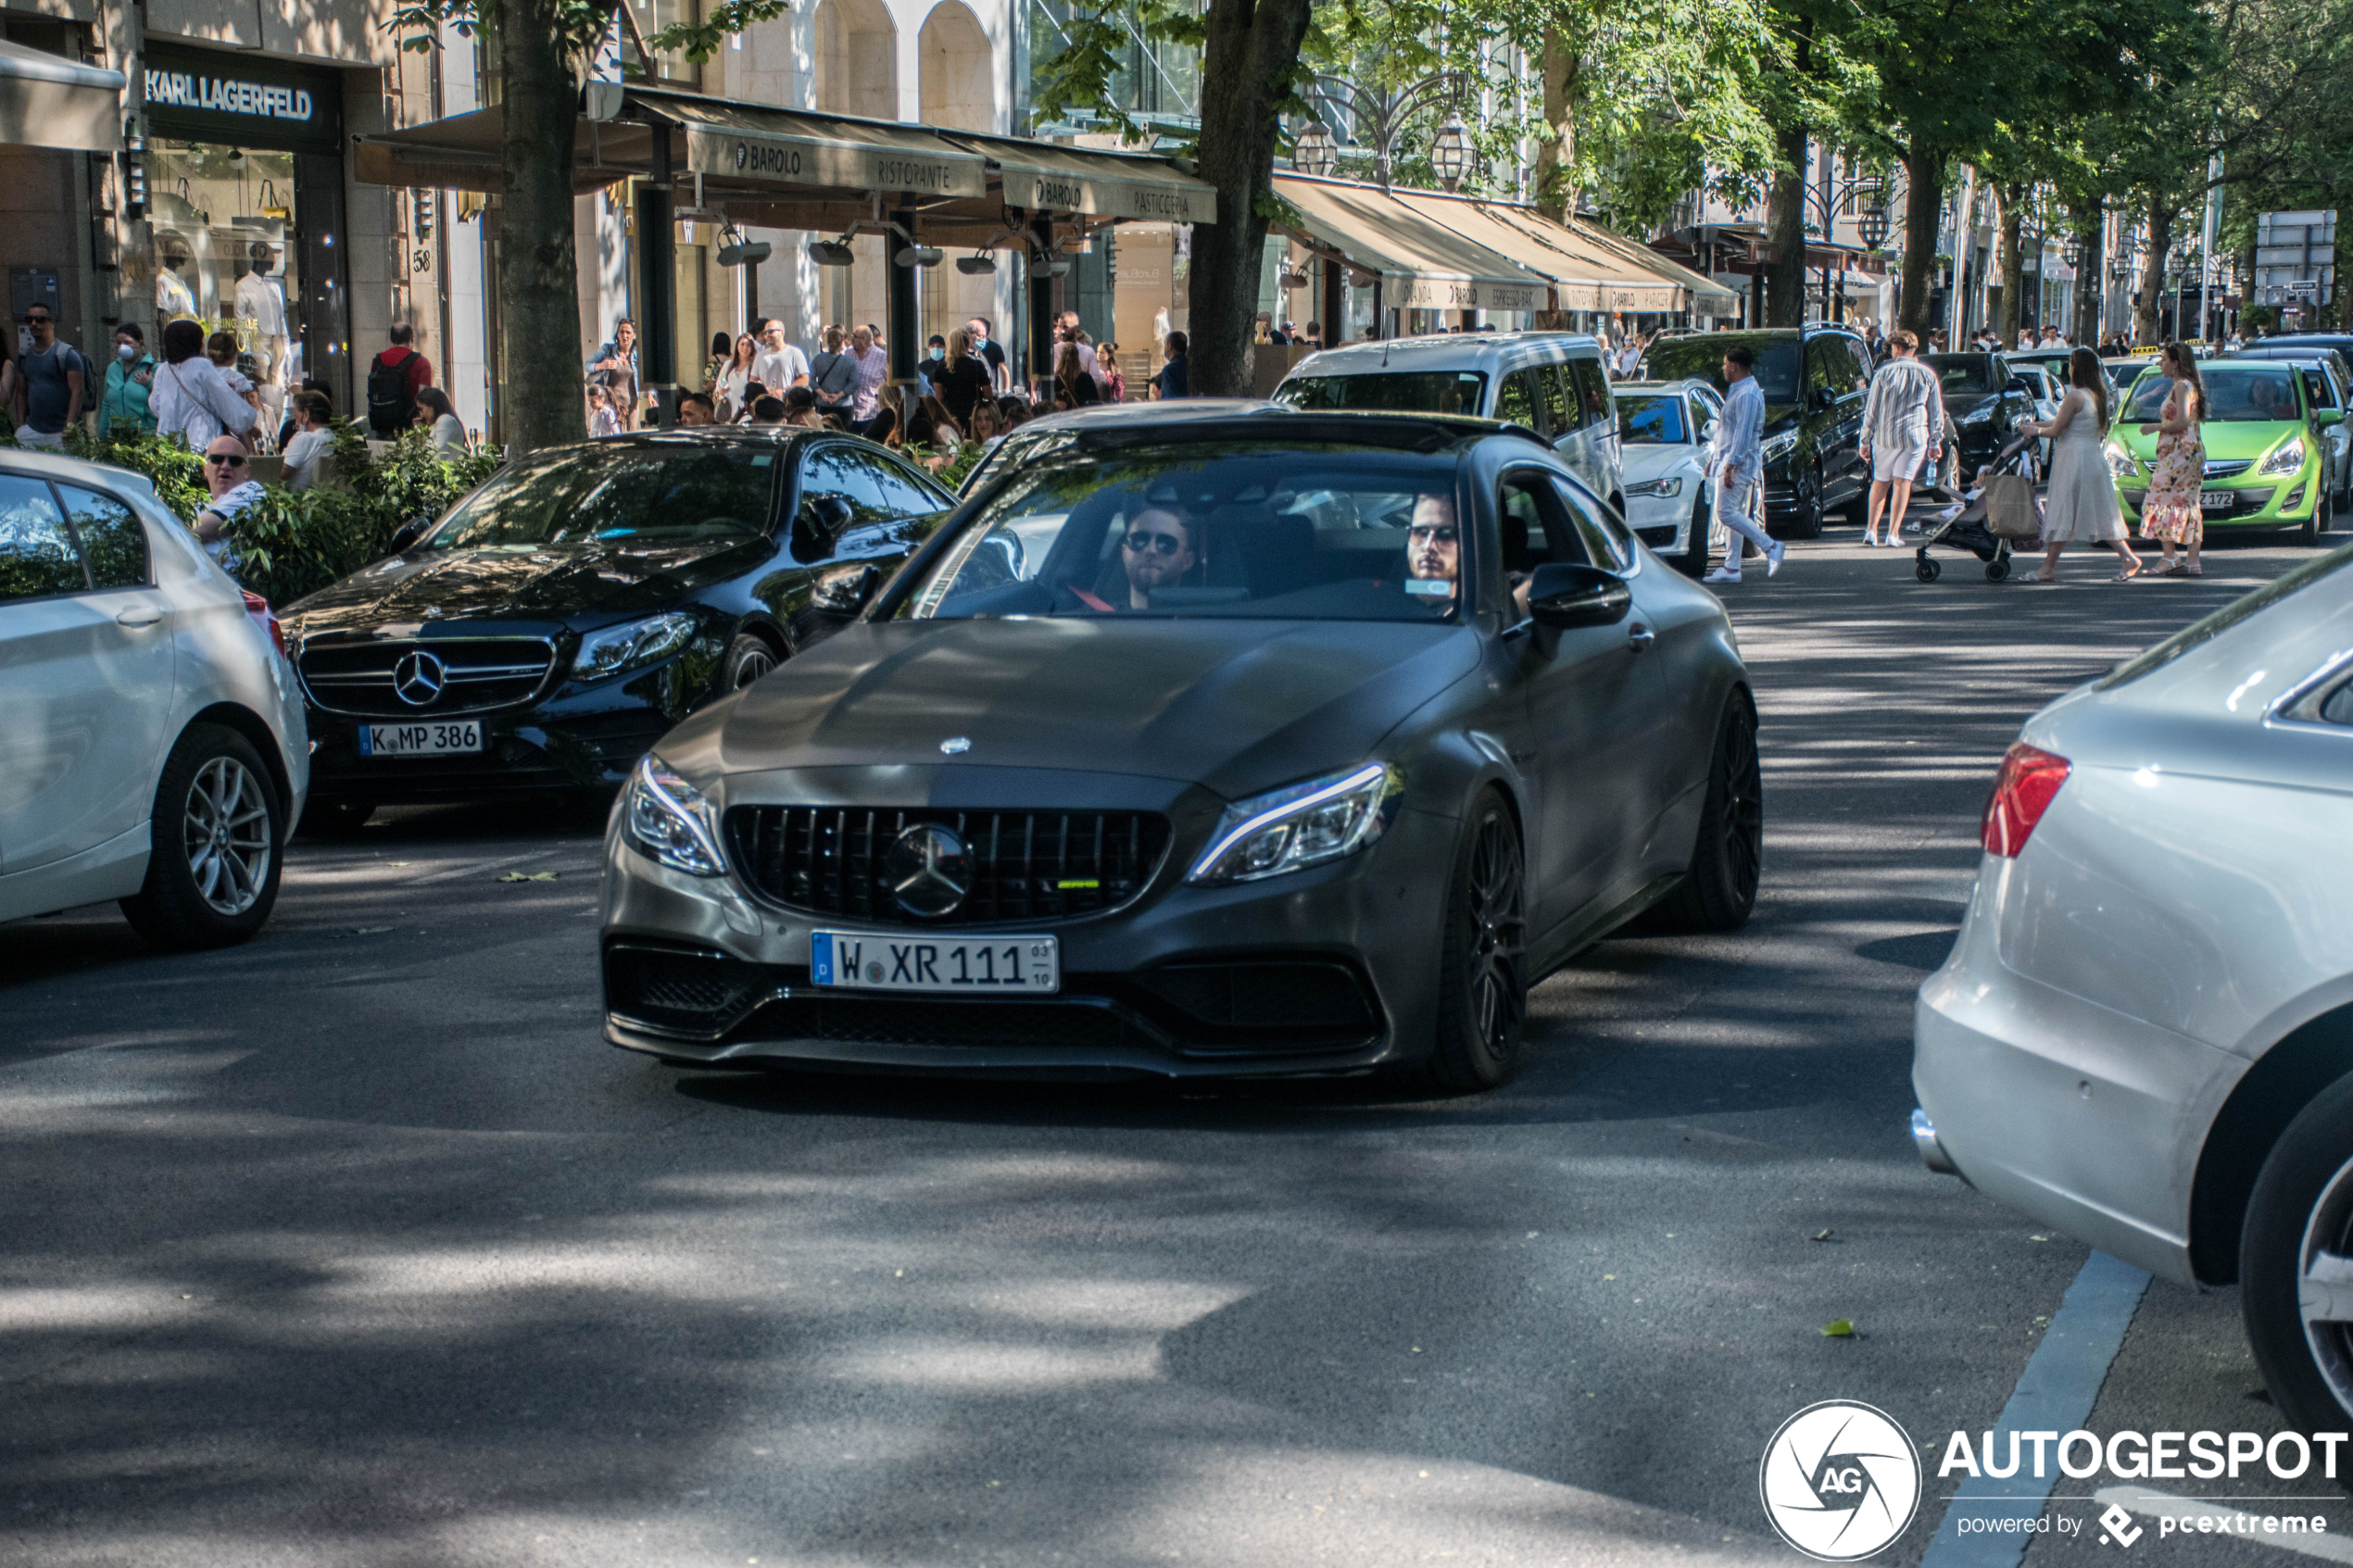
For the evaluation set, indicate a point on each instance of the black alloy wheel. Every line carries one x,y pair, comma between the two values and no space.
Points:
1807,523
1482,981
2295,1265
1695,555
1718,892
749,656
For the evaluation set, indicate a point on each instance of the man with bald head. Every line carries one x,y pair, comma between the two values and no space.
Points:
227,475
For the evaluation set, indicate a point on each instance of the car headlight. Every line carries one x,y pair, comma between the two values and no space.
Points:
1656,487
1981,414
1781,446
670,820
2288,458
2122,463
1303,824
632,645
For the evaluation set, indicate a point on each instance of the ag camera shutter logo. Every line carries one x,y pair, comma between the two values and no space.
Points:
1840,1480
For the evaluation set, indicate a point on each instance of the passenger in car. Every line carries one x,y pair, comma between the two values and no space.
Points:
1434,556
1158,551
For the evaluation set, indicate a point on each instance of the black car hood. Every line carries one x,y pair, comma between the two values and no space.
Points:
548,583
1959,404
1234,704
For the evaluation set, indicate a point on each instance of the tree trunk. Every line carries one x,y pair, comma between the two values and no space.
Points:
1785,226
2147,319
2091,274
1555,158
538,274
2013,263
1923,207
1251,49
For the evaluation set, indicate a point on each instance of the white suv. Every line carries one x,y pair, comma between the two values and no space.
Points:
1552,383
155,751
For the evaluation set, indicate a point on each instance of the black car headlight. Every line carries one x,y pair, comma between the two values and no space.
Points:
1300,826
1981,415
633,645
668,819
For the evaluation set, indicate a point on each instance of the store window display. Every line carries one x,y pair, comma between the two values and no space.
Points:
220,220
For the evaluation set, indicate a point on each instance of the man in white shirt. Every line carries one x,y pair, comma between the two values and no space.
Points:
1903,422
874,369
1737,460
779,364
313,440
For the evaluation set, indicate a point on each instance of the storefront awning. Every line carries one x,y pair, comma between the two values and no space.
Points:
49,101
745,142
1585,276
1707,296
1042,177
1422,263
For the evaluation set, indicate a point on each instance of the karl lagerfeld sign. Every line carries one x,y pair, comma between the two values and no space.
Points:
228,94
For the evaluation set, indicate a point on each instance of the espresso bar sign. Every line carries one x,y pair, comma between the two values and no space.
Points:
223,95
1444,294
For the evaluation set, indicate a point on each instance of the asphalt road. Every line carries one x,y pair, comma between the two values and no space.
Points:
356,1246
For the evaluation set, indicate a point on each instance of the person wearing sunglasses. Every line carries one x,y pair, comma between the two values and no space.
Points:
50,388
227,475
1434,556
1157,550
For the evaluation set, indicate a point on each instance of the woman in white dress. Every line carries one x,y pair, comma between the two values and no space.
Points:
2081,502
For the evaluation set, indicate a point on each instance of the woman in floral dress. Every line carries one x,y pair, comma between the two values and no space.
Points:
2169,513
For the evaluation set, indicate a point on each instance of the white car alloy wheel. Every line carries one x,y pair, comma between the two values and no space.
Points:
227,834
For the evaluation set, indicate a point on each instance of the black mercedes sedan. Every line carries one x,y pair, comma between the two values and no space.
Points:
1288,743
1984,401
583,600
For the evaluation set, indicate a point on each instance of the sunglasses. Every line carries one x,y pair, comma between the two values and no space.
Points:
226,459
1166,543
36,320
1435,533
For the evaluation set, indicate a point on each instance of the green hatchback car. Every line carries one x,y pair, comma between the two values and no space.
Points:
2265,450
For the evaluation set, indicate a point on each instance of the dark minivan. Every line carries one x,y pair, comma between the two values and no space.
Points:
1813,379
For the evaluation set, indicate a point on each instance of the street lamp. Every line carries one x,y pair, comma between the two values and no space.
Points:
1871,227
1450,154
1313,151
1375,118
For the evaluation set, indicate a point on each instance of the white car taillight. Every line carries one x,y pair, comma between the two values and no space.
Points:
265,618
2023,791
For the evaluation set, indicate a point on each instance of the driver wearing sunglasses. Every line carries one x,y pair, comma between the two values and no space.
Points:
228,475
1434,556
1158,551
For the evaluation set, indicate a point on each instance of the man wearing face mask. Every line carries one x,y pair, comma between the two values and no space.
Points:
123,407
934,360
985,344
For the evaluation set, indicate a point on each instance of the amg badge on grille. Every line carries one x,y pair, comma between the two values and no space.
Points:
954,746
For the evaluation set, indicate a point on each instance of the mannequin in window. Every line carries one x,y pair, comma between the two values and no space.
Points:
261,306
174,299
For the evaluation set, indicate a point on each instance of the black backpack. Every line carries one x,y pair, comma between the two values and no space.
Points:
392,404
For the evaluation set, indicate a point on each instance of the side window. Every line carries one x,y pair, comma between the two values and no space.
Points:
1593,393
112,539
1535,530
839,491
1561,404
1820,377
2316,384
1520,400
903,494
37,558
1606,543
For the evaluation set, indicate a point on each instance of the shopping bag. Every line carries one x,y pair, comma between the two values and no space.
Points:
2010,512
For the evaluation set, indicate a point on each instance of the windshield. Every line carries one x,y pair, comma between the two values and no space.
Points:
1650,421
654,493
1968,374
1291,532
1703,358
2238,393
1405,392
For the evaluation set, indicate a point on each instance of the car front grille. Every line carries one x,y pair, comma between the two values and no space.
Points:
2225,468
463,676
1023,865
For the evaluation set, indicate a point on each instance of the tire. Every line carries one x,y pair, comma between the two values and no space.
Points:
1718,892
1807,523
1482,954
2319,522
212,872
1928,571
1693,562
2302,1207
749,656
334,819
1996,570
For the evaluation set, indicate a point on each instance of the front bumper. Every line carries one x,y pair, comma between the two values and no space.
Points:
2267,503
1327,971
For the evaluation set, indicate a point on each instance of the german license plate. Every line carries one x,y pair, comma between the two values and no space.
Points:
865,960
419,740
2217,500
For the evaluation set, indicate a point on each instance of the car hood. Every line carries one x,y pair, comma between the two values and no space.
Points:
544,583
2225,440
1657,462
1236,705
1961,405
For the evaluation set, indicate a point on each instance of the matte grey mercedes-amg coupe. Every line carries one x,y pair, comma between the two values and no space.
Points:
1282,743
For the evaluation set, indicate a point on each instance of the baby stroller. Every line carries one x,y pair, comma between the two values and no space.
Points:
1957,520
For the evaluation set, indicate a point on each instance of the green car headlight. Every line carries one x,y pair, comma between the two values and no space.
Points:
2288,458
2122,463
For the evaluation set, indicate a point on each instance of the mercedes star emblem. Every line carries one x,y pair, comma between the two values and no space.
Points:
927,870
417,680
954,746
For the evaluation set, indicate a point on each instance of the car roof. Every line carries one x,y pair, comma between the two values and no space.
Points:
1443,351
75,471
1280,421
1685,384
1771,334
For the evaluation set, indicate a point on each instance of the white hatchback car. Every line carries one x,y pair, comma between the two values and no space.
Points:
1663,431
156,751
2144,1033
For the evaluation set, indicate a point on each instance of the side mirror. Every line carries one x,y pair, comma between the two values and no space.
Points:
2020,384
2326,416
1707,429
1825,398
849,590
407,535
821,522
1562,597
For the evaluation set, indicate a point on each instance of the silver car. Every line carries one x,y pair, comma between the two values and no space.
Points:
2144,1033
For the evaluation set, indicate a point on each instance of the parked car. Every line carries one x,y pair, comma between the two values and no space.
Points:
2045,394
154,746
2143,1036
2328,384
583,600
1984,401
2336,343
1290,743
1664,429
1814,379
2267,447
1552,383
